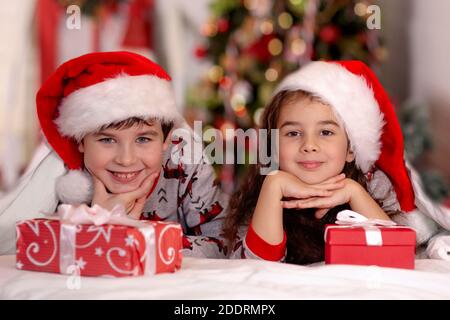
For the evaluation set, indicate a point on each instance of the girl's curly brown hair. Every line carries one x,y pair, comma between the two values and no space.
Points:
305,242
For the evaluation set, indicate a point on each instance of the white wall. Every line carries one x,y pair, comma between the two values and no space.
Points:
430,49
430,72
417,35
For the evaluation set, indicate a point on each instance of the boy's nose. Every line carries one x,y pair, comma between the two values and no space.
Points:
126,156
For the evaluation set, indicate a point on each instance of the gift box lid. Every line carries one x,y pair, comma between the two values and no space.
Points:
348,235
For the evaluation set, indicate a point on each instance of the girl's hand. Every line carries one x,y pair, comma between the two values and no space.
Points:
132,201
267,220
336,197
292,187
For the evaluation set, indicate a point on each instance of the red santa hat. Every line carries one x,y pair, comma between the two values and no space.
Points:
94,90
360,102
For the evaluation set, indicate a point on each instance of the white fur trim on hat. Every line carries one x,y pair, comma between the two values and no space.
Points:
353,101
113,100
75,187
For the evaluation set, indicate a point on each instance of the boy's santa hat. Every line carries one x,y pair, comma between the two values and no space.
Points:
94,90
360,102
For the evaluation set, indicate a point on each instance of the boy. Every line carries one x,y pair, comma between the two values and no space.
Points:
109,117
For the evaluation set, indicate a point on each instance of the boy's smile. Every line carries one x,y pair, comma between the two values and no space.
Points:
122,158
125,177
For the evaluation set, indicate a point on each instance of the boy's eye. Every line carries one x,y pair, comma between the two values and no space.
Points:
326,133
143,140
106,140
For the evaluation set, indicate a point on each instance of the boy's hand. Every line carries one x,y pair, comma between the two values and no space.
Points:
132,201
323,204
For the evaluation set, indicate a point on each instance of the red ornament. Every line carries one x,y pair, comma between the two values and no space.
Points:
330,34
223,25
201,52
225,83
259,49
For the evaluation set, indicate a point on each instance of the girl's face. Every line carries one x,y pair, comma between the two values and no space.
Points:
313,144
123,158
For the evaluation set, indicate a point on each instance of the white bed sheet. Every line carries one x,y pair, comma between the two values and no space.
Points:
210,279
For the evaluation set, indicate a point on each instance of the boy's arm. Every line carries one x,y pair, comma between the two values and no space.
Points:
204,207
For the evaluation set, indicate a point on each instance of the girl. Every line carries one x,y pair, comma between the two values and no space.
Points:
340,147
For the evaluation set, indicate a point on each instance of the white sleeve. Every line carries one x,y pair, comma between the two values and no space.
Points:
34,194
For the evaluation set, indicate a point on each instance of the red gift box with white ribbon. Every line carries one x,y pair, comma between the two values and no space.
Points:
97,242
356,240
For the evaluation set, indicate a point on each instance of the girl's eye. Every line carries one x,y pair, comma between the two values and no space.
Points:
326,133
143,140
106,140
293,134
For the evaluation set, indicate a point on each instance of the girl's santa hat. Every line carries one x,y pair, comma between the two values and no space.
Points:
360,102
94,90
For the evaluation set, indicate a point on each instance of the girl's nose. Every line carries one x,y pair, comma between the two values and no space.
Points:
126,155
309,145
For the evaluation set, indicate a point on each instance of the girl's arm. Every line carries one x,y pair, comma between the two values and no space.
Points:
267,220
362,202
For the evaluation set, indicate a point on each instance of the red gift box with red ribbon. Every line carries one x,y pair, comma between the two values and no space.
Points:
124,247
369,243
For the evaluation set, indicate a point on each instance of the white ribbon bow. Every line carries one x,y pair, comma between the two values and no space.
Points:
349,217
96,215
352,219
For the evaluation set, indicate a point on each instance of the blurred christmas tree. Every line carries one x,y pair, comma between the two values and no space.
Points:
252,44
418,142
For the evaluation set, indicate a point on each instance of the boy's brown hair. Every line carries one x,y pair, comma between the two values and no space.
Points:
128,123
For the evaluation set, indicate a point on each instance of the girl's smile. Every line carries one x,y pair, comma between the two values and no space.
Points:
310,165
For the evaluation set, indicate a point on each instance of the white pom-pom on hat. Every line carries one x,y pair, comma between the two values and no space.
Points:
75,187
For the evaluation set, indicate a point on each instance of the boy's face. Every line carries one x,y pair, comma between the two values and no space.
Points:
313,144
123,158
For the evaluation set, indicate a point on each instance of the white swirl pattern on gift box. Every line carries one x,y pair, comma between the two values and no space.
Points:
121,253
148,232
34,246
170,251
100,231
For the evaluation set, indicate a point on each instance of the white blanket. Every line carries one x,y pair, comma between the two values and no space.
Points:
238,279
